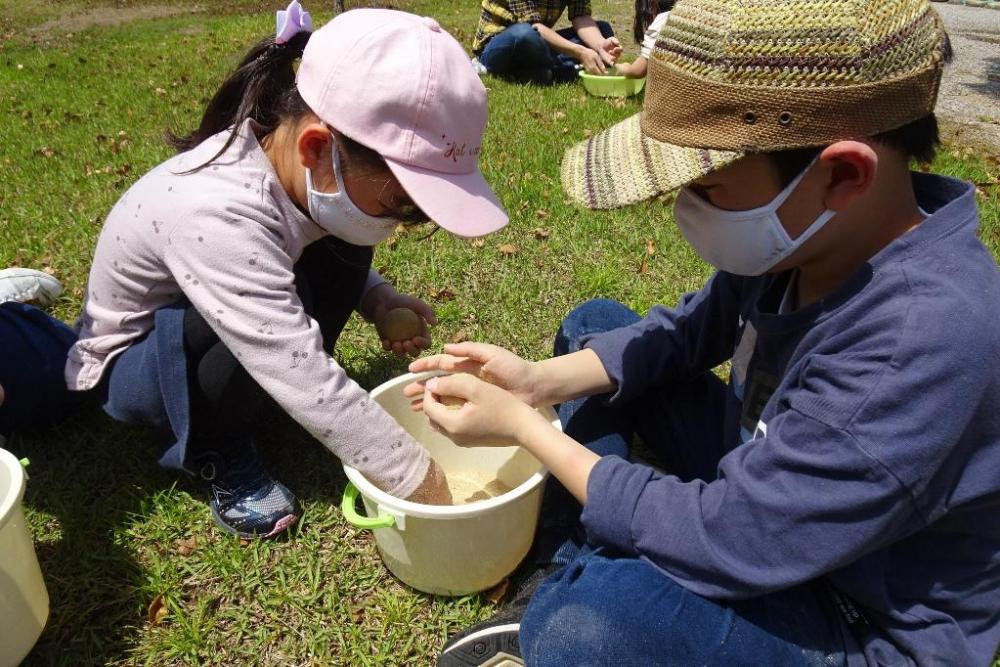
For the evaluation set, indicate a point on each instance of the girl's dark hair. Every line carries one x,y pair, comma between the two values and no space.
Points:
645,12
261,88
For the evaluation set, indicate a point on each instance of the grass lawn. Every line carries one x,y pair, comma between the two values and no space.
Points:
83,110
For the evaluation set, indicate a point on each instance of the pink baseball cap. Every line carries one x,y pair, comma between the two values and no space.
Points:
402,86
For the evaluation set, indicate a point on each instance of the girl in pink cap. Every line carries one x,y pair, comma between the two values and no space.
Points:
223,277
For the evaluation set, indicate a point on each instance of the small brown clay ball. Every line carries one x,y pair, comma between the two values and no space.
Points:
401,324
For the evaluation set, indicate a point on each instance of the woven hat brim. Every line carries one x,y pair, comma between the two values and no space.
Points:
622,166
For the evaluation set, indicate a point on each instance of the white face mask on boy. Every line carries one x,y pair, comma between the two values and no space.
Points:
746,243
337,214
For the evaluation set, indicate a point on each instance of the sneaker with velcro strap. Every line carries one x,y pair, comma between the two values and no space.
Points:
246,500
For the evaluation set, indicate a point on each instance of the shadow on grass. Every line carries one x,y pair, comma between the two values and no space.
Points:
88,477
92,480
299,460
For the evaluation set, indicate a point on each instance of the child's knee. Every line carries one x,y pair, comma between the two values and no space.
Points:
591,317
520,32
525,40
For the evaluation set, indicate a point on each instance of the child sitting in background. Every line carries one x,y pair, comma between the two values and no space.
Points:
224,276
650,16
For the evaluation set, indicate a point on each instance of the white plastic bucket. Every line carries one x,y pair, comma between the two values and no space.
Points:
24,602
451,549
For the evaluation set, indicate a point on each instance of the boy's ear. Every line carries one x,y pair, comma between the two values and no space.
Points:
853,166
312,144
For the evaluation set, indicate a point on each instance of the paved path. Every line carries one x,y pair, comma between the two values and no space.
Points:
969,100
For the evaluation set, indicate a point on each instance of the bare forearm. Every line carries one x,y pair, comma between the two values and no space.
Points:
568,460
570,376
588,32
557,41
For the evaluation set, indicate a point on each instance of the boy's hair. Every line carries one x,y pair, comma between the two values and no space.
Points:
645,12
917,140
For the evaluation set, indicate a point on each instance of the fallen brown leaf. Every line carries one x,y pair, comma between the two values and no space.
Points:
186,547
650,247
443,294
508,249
542,213
157,610
496,593
643,266
541,233
46,151
460,336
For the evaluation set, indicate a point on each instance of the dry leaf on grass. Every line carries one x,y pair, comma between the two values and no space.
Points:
496,593
643,266
542,213
443,294
541,234
186,547
46,151
508,249
460,336
477,243
650,247
157,610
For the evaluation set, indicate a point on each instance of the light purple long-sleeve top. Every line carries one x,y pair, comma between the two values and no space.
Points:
226,237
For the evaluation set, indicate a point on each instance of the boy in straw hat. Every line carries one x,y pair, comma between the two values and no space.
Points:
837,501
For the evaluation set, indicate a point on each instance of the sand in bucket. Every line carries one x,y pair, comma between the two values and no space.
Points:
471,486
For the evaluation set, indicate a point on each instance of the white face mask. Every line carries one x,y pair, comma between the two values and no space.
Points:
338,215
746,243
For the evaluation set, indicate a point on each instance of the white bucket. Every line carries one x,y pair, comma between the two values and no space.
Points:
451,549
24,602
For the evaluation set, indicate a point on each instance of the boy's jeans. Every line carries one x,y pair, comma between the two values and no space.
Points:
520,53
604,609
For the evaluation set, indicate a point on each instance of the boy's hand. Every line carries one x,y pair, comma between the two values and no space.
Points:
593,62
434,489
489,415
383,299
488,362
610,50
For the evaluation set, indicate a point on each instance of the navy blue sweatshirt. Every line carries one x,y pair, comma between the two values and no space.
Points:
863,440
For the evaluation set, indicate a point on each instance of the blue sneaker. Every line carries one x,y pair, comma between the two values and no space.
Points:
246,501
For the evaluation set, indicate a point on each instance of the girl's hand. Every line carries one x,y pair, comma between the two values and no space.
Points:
383,299
489,416
610,50
488,362
434,489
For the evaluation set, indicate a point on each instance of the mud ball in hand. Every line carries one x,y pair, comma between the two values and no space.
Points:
401,324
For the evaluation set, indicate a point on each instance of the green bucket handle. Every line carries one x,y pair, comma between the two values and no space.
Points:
347,506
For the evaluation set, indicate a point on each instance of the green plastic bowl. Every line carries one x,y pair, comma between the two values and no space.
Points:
611,85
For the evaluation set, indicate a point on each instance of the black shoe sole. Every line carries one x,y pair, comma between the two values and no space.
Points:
495,646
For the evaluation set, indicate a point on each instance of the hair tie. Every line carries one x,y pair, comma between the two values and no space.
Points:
291,22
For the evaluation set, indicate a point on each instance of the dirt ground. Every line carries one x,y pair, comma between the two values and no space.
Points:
969,99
